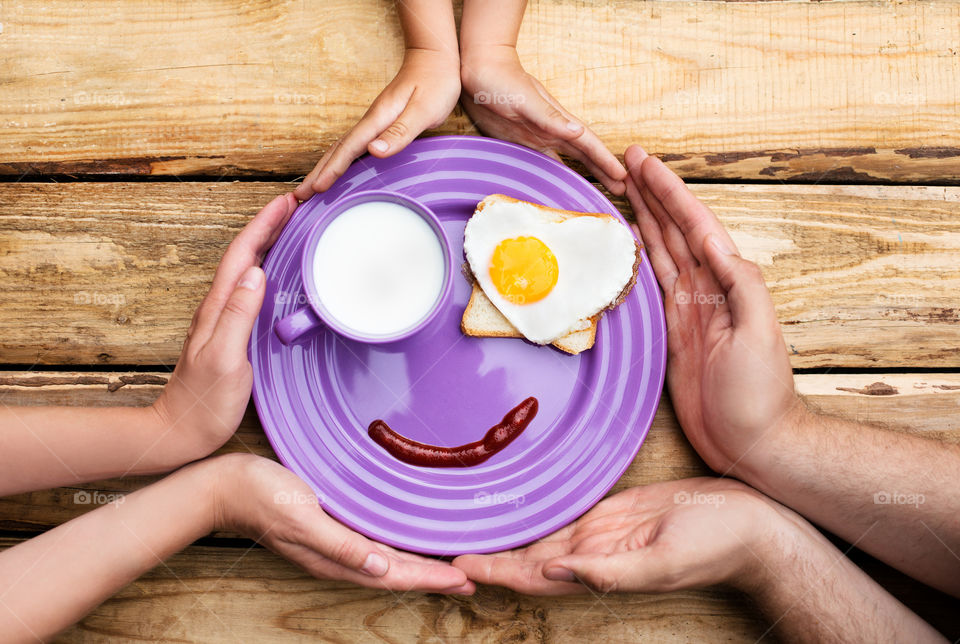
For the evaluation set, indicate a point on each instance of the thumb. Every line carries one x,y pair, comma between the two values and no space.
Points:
549,118
343,546
629,571
232,332
747,295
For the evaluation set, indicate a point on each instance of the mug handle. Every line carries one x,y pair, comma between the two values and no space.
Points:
297,324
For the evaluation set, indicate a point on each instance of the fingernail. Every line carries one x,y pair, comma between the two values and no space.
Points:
573,127
720,246
559,574
252,278
379,145
375,565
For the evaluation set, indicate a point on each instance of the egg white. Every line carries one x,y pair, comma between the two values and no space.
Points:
595,259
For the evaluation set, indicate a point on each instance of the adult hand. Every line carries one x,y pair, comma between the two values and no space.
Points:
267,502
421,96
728,373
506,102
658,538
207,394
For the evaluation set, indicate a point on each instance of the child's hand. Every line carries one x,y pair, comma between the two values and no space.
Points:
421,96
267,502
504,101
203,402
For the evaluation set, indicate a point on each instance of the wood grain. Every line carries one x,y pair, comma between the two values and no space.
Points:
235,592
110,273
231,595
817,92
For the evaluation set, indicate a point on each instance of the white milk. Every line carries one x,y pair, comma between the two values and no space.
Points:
378,268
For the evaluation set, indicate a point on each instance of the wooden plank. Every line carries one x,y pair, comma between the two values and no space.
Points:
109,273
210,594
241,594
922,403
821,92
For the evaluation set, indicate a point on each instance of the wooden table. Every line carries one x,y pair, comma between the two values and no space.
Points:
137,139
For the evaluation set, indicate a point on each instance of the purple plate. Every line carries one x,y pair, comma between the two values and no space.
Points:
316,398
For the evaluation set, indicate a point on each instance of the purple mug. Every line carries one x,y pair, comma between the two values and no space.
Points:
315,315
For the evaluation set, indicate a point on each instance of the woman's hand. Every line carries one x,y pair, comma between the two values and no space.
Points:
421,96
657,538
506,102
267,502
207,394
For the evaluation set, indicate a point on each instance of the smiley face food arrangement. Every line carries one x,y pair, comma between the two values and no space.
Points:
538,273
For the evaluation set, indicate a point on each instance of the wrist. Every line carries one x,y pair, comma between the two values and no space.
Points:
173,439
196,485
439,56
477,62
782,539
226,476
767,457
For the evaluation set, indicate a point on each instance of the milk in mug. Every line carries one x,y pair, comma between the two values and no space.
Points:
378,268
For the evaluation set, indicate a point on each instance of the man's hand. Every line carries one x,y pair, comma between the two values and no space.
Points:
658,538
506,102
700,532
267,502
203,402
421,96
728,373
732,388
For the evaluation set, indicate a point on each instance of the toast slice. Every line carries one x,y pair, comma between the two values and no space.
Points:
482,319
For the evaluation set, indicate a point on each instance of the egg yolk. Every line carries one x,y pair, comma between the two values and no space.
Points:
523,269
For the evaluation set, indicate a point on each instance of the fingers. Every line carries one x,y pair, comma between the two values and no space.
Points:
751,306
305,190
607,169
694,220
590,144
349,148
403,575
415,118
246,250
673,239
649,229
340,545
427,575
543,111
511,572
232,332
614,186
635,571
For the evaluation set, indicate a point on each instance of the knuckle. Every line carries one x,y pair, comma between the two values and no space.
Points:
397,130
298,531
604,582
753,271
335,170
344,552
235,306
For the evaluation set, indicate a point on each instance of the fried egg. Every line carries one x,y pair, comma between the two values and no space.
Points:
547,271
